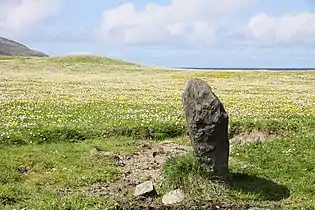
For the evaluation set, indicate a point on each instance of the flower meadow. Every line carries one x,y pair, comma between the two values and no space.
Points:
59,116
75,98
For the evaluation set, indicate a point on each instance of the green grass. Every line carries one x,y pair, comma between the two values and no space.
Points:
31,174
88,59
54,111
273,174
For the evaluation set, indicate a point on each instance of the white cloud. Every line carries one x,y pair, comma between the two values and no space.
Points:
283,29
195,21
18,15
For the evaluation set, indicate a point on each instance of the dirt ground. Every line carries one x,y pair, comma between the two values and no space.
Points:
145,165
141,166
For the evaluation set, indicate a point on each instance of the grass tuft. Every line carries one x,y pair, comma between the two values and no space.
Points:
177,171
184,172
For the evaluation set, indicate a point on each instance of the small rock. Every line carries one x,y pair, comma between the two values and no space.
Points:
120,163
254,208
173,197
145,189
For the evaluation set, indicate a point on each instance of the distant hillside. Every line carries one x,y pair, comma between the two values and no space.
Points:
89,59
12,48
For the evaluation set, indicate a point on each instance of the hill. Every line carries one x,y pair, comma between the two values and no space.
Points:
92,59
12,48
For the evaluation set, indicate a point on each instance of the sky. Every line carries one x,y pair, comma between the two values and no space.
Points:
170,33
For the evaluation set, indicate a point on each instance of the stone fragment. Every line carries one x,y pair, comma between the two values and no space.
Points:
207,123
254,208
173,197
145,189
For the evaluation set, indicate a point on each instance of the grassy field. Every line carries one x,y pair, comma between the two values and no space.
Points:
55,111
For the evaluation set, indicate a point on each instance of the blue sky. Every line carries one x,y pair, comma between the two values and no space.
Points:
200,33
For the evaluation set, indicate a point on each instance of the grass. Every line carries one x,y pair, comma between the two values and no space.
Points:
274,174
54,111
39,176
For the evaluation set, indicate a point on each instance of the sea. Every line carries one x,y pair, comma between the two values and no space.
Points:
248,69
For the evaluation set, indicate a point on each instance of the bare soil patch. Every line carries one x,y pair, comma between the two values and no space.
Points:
141,166
144,165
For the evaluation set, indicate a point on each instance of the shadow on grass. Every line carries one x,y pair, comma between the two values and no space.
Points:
267,189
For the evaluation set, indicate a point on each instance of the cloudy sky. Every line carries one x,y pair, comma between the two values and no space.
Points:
199,33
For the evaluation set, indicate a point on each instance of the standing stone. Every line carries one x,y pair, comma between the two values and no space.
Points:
207,123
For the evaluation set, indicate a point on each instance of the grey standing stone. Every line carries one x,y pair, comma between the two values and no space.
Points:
145,189
207,123
173,197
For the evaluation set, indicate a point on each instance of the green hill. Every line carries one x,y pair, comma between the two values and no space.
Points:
88,59
12,48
